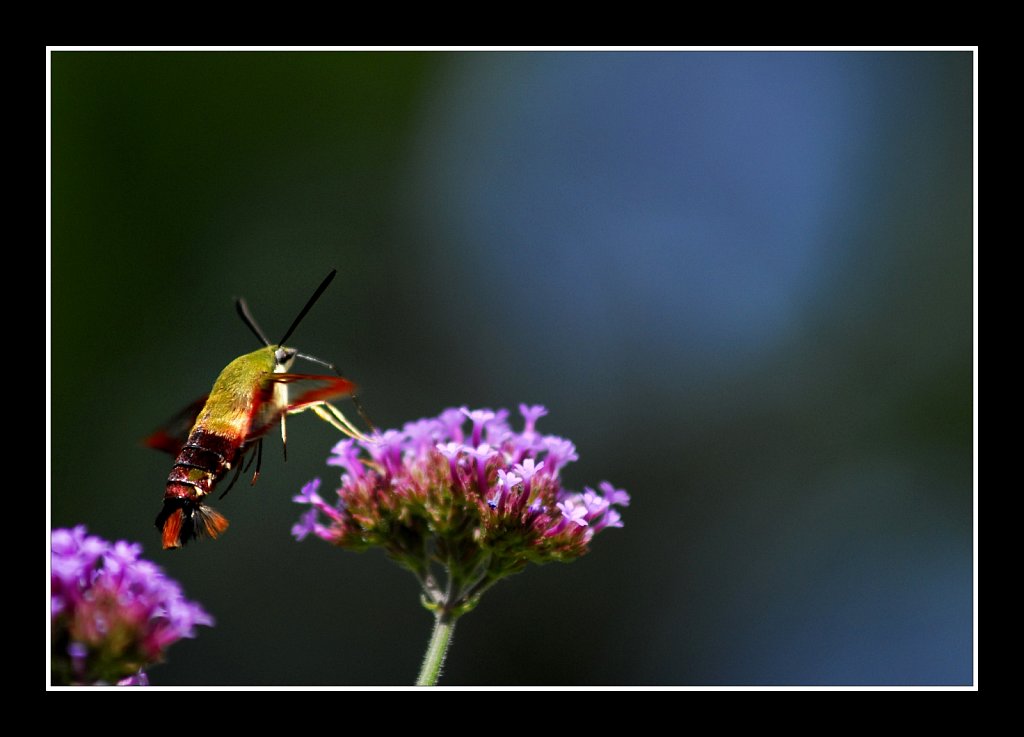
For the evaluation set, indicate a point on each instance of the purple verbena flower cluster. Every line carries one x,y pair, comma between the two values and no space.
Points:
112,612
480,503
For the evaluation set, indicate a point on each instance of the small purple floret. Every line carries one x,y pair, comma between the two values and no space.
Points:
613,495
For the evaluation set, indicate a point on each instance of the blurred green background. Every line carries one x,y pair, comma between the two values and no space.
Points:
741,282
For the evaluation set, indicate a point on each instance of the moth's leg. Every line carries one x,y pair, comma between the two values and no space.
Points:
333,417
259,461
284,434
238,472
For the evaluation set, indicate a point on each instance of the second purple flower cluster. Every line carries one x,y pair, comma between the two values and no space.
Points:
112,612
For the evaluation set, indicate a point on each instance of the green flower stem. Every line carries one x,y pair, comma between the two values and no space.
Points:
444,625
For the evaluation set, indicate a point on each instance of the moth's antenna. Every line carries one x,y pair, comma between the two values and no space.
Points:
248,319
309,305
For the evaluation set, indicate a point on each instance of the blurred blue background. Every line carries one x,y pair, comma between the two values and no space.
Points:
741,282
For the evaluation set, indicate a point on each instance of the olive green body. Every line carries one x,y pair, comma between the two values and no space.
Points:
242,406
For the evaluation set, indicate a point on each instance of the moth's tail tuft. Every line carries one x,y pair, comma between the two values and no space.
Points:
183,520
